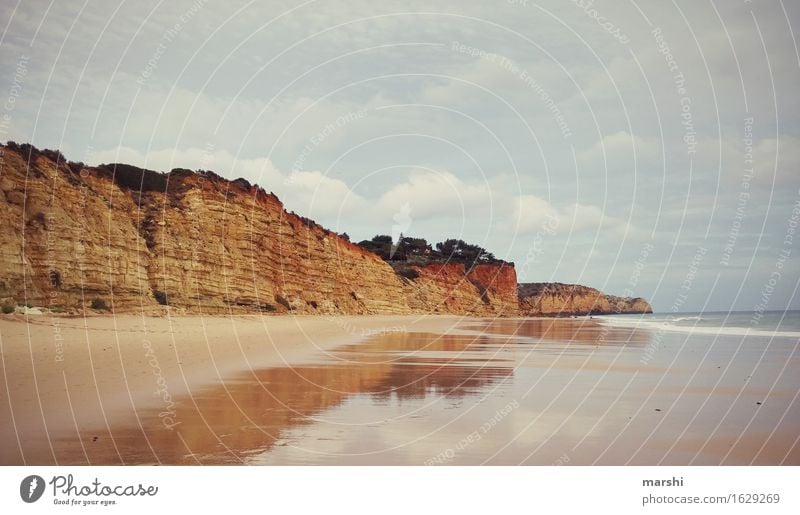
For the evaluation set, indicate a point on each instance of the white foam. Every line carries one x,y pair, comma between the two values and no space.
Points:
681,319
669,326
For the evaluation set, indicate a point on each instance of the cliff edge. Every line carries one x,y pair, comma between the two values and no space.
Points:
557,299
117,237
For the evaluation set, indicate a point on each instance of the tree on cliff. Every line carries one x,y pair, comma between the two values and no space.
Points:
380,244
419,250
415,246
463,252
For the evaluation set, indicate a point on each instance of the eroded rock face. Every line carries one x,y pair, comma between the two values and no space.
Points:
127,239
139,240
449,288
557,299
67,237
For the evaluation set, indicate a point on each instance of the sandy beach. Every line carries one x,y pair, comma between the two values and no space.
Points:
435,390
62,376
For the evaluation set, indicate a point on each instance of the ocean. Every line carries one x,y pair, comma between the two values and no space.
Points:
784,324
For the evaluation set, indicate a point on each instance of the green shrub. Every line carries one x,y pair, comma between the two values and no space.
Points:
99,304
129,177
8,308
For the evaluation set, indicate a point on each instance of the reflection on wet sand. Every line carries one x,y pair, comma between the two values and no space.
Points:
581,394
247,415
574,330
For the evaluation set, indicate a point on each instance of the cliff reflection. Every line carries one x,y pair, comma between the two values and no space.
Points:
247,416
573,330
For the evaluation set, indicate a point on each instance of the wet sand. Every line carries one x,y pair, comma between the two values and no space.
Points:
393,390
71,382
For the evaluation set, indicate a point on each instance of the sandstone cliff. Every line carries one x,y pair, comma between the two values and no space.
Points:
133,239
450,288
557,299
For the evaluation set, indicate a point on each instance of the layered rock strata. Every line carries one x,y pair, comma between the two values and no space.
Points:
557,299
122,238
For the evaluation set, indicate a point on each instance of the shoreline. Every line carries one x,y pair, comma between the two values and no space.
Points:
363,389
380,389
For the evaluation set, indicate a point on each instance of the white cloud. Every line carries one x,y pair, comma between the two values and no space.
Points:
531,213
615,153
458,163
431,194
309,193
426,195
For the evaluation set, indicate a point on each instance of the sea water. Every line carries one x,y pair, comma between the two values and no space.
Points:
770,323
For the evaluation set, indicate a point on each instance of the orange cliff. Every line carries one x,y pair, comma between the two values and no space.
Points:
557,299
486,289
138,240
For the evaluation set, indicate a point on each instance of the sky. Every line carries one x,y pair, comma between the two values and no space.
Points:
646,148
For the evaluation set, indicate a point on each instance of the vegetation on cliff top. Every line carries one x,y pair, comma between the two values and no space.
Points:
419,251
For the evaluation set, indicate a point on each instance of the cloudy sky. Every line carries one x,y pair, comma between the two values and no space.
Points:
650,147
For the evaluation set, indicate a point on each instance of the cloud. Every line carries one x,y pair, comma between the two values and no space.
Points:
323,198
592,218
531,213
310,193
424,195
437,194
615,153
254,94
